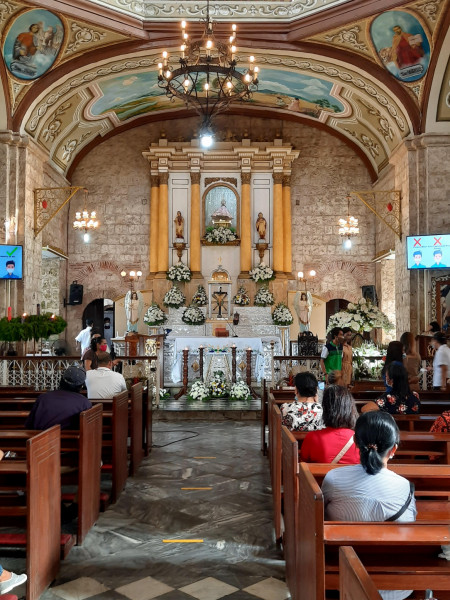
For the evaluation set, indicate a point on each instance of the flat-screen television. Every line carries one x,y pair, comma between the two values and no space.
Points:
11,261
428,251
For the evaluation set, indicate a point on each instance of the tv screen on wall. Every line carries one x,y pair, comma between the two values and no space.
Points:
11,261
428,251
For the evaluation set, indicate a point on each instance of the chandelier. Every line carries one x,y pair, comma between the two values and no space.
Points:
85,220
348,226
207,79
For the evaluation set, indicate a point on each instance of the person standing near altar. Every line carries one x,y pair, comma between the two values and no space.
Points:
331,357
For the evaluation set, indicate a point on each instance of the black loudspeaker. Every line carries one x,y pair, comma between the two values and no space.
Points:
76,293
369,293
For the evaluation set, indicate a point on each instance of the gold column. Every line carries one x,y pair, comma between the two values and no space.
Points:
154,224
287,225
246,225
278,246
163,220
195,231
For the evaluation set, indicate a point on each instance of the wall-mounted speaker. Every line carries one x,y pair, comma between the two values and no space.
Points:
76,293
369,293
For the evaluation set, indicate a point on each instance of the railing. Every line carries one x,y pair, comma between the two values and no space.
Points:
282,366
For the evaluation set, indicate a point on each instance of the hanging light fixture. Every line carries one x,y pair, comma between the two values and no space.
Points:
207,79
85,220
348,227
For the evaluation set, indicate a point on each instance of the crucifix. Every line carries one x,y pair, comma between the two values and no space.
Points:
220,298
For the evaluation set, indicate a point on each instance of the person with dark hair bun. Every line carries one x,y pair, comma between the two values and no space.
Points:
369,491
335,443
400,400
305,413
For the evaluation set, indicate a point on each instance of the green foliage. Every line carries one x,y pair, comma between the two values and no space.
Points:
34,327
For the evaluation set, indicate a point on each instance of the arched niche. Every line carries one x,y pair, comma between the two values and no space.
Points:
212,200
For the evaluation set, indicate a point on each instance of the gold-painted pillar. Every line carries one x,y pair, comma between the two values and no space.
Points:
278,246
287,225
195,233
246,225
154,224
163,220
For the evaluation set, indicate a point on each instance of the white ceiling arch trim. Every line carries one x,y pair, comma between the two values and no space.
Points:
432,125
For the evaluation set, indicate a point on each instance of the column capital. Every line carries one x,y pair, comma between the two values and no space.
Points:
277,177
246,178
154,180
195,177
164,178
286,180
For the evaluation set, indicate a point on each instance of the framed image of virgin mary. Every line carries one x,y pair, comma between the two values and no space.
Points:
440,298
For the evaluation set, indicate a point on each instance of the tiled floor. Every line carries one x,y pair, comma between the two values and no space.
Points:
127,555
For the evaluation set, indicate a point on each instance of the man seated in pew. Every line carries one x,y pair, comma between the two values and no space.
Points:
400,399
305,412
369,491
103,382
62,406
335,443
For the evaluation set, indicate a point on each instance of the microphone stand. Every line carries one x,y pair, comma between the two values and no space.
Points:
233,331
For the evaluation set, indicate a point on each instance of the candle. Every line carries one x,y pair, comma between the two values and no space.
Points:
9,313
23,318
38,309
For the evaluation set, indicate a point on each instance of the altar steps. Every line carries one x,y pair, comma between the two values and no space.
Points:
214,410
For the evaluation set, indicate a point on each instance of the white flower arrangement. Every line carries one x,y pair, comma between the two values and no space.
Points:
365,365
174,297
240,391
264,297
198,391
179,272
217,386
200,298
241,298
282,315
360,317
262,273
193,315
220,235
155,315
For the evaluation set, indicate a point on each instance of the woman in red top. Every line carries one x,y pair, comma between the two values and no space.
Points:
335,443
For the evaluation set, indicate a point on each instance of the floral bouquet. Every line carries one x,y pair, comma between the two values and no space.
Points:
220,235
262,273
240,391
154,315
360,317
241,297
368,361
218,386
264,297
282,315
193,315
174,297
163,393
200,298
198,391
179,272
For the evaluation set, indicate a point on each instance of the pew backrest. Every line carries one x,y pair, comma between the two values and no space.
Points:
354,581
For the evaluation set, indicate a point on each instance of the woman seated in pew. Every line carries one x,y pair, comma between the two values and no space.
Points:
442,423
369,491
400,399
305,412
335,443
394,354
90,356
411,360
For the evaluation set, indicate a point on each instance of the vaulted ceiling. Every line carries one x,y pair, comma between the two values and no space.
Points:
329,63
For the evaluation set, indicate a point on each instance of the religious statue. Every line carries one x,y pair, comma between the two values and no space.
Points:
220,298
303,307
179,225
261,225
222,216
133,309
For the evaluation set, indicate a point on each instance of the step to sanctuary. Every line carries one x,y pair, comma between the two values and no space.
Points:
218,409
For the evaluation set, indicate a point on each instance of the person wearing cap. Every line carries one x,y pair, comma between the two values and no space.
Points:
62,406
102,382
441,362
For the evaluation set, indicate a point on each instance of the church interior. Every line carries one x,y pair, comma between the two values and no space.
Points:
213,183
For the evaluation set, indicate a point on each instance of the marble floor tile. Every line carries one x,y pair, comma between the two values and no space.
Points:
144,589
269,589
209,589
79,589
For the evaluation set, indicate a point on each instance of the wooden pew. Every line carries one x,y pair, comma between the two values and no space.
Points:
136,427
354,581
41,469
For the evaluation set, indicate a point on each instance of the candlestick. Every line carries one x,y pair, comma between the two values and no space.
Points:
9,313
38,309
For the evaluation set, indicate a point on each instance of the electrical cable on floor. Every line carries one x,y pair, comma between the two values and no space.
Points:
195,434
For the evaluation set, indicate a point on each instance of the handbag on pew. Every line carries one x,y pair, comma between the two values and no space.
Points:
340,454
405,506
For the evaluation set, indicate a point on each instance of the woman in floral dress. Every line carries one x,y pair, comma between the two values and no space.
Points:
305,413
400,399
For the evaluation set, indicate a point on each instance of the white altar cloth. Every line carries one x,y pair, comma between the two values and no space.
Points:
211,344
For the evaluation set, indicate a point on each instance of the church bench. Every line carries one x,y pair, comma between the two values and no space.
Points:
354,581
40,475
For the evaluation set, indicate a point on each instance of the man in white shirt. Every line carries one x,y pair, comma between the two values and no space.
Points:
441,362
84,337
102,382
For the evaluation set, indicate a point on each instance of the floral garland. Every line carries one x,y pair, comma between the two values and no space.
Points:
179,272
193,315
264,297
218,386
262,273
220,235
360,317
174,297
198,391
200,298
154,315
240,391
282,315
241,298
